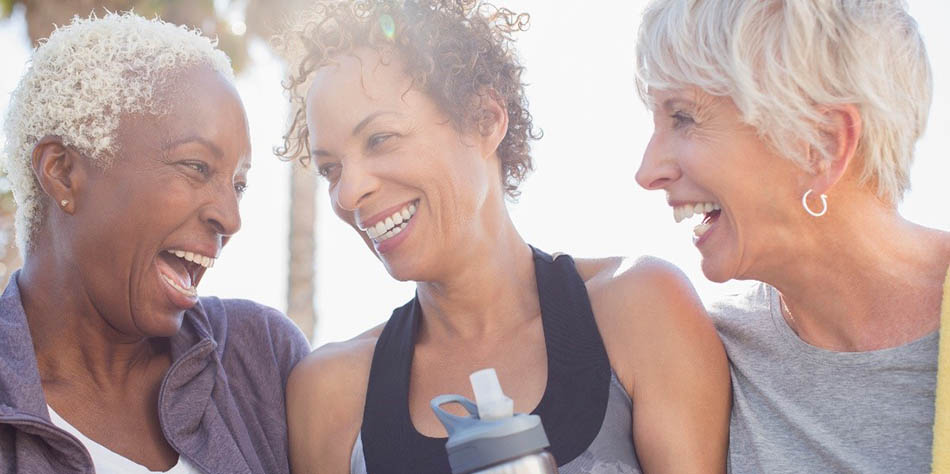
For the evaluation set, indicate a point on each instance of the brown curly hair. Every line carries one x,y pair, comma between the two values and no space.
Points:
455,51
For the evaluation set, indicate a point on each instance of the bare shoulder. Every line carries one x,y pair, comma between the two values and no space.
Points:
645,308
325,397
336,363
630,283
668,357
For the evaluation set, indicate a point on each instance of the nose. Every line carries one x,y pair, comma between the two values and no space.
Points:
223,212
354,186
657,168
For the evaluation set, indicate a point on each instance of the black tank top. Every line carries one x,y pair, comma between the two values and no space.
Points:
573,404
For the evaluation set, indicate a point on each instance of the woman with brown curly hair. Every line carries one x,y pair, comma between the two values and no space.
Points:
415,113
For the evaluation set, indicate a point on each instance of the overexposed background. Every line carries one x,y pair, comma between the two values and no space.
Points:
582,198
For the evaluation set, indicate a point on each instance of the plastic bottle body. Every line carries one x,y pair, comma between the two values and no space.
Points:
541,462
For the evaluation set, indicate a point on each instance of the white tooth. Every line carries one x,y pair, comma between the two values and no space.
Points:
717,207
386,235
708,207
699,208
412,209
212,262
396,230
189,256
371,232
397,218
380,228
205,261
405,214
179,253
687,212
701,229
389,222
677,214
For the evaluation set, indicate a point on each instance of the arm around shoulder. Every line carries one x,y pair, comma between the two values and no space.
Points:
672,362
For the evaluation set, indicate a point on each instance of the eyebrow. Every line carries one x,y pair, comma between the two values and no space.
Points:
357,129
669,104
194,139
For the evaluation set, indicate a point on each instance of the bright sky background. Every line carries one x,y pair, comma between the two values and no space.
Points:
582,198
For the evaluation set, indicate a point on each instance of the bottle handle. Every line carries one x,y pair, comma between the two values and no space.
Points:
453,422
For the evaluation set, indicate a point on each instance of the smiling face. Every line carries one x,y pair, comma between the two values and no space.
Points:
145,229
399,172
720,175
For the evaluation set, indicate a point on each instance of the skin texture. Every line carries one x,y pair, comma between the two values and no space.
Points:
475,282
858,278
175,183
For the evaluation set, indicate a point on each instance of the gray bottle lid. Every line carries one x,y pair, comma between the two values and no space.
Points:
475,444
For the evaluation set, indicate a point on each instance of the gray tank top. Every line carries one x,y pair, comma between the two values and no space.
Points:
798,408
611,452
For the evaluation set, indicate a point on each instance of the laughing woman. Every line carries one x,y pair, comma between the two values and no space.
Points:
128,151
415,113
791,126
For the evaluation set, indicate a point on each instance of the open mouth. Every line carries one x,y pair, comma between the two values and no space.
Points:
709,211
392,225
182,270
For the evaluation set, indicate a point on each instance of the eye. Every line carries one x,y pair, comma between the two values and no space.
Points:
330,171
199,166
240,188
682,119
377,139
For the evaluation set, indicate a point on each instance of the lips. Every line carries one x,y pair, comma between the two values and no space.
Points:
180,271
389,224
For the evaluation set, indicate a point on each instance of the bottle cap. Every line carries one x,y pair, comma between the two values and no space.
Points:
491,401
479,441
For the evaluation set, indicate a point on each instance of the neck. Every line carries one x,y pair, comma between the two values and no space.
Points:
74,342
489,287
862,278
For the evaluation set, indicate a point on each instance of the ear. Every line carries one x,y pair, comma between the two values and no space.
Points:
491,121
55,166
841,133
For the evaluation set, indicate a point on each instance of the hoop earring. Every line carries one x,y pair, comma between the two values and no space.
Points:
824,204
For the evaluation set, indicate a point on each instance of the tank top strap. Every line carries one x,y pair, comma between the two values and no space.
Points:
575,399
572,407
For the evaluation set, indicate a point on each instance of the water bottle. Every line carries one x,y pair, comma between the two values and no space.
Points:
492,439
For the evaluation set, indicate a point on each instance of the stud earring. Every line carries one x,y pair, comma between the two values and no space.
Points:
64,202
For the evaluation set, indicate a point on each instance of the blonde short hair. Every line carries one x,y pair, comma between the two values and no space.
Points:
78,84
780,60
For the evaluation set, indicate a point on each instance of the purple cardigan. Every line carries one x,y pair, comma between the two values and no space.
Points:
221,404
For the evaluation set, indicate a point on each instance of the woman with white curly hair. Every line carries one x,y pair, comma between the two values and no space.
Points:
788,128
128,151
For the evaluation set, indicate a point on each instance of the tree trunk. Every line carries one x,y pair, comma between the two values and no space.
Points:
9,256
301,286
43,15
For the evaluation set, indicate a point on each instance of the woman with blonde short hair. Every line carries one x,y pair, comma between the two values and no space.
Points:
788,129
128,151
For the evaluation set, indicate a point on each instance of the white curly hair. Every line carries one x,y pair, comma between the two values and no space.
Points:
77,85
780,60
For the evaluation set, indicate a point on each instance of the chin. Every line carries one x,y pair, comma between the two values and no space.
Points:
165,325
716,271
401,272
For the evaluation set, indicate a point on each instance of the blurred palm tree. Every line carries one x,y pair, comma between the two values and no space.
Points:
232,22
